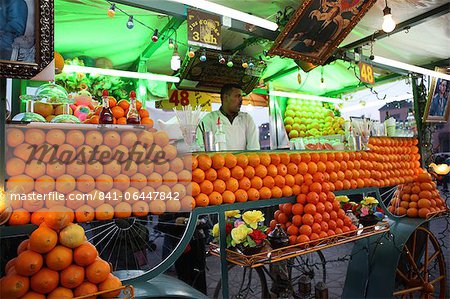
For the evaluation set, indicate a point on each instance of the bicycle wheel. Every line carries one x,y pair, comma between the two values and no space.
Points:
134,246
311,265
421,270
244,282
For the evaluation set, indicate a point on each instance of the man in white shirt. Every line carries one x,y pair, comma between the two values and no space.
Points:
239,127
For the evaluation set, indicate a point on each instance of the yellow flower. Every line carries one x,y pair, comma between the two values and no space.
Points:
239,234
342,198
253,217
215,230
370,201
233,213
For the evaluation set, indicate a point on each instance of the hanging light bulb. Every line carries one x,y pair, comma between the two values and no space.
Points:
251,64
388,22
323,85
203,56
155,36
230,62
244,64
221,59
191,53
112,10
175,62
170,43
130,23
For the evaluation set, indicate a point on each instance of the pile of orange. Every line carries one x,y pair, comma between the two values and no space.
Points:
417,199
229,178
120,111
128,185
393,161
316,215
57,263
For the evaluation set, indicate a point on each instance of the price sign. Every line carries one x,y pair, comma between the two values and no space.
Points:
204,29
366,73
180,98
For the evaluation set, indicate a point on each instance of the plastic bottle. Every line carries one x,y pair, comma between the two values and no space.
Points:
106,116
133,115
220,141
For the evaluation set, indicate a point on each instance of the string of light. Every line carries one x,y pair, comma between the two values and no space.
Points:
173,42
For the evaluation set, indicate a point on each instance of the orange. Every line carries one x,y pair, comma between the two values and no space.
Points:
272,170
241,195
242,160
202,200
124,104
292,169
129,139
23,246
265,193
253,194
98,271
143,113
276,192
72,276
23,151
261,171
85,288
228,197
215,198
85,254
282,169
265,159
96,168
256,182
14,137
35,169
224,173
204,162
14,286
269,182
279,181
244,183
292,230
254,160
275,159
34,136
141,208
230,161
121,121
423,212
44,281
15,166
286,191
110,283
156,207
249,172
195,189
28,263
211,175
232,184
43,239
173,205
206,187
198,175
218,161
85,213
122,182
237,172
305,230
60,293
424,203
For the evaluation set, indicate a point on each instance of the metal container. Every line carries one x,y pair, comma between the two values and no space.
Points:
208,141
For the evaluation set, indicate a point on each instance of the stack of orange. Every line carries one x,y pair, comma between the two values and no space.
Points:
418,199
119,111
393,161
57,262
128,184
316,215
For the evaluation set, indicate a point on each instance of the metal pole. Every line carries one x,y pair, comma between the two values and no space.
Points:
223,254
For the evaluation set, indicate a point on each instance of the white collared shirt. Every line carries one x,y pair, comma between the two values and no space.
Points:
241,135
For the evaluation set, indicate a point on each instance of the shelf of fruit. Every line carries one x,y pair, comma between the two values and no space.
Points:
269,255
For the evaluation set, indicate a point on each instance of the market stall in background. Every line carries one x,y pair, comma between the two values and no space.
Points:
105,184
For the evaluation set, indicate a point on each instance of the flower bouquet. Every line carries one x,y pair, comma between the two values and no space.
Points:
367,211
245,233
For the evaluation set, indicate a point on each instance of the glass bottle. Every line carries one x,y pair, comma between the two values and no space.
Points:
220,141
28,115
351,139
106,116
133,114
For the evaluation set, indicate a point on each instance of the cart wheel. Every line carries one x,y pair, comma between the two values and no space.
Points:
312,265
421,270
244,282
134,246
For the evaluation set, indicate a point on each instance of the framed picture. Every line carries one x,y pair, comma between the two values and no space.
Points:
318,27
438,103
26,37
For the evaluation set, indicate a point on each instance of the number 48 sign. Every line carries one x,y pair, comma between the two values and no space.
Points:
366,73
